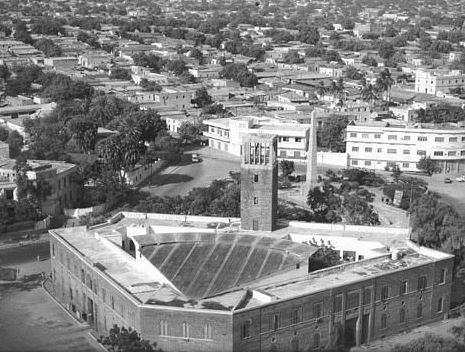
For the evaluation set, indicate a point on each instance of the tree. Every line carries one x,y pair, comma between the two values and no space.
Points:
430,343
386,49
324,203
358,212
287,167
325,257
127,340
150,85
309,35
332,133
15,142
3,134
384,83
348,24
353,73
292,57
120,73
48,47
190,132
428,165
84,131
202,98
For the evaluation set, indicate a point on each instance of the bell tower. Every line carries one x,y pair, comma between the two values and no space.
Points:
259,182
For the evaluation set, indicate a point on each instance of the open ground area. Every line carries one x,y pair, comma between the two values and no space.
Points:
180,178
30,319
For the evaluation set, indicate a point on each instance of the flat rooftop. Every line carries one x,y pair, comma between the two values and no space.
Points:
210,263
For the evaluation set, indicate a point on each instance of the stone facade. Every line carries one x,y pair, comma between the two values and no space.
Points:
259,182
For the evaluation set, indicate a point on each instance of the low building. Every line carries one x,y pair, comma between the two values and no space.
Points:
438,82
226,134
64,192
377,145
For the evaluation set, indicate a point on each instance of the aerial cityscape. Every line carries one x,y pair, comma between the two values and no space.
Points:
243,176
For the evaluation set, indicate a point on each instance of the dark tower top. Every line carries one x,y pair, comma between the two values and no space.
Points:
259,182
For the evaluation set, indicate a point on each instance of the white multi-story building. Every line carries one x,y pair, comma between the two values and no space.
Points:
376,145
226,134
438,82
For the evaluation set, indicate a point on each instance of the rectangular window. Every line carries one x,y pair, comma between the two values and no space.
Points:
112,302
367,163
391,151
442,279
255,178
354,162
439,139
380,150
353,299
317,310
274,322
296,316
405,165
338,304
285,139
185,330
438,153
368,150
255,200
403,287
463,139
353,134
451,153
104,295
384,292
422,139
440,305
462,152
365,135
246,329
355,149
392,137
421,152
53,250
419,310
406,138
377,135
453,139
298,139
422,283
367,295
406,152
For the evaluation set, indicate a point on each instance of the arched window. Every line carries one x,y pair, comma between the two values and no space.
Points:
163,328
383,321
185,330
316,340
402,315
207,331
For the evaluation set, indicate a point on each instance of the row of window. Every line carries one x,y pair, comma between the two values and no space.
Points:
407,151
419,313
369,163
288,139
164,330
394,137
352,301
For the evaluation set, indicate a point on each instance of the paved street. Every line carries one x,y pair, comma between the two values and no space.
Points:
181,178
30,319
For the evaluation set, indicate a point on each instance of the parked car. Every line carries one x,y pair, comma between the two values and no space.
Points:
460,179
195,158
447,180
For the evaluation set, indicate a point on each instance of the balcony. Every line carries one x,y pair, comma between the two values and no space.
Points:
216,136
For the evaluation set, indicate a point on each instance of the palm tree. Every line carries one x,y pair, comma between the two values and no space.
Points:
369,93
384,83
321,90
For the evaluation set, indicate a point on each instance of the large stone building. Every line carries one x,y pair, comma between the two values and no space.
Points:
195,283
377,145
